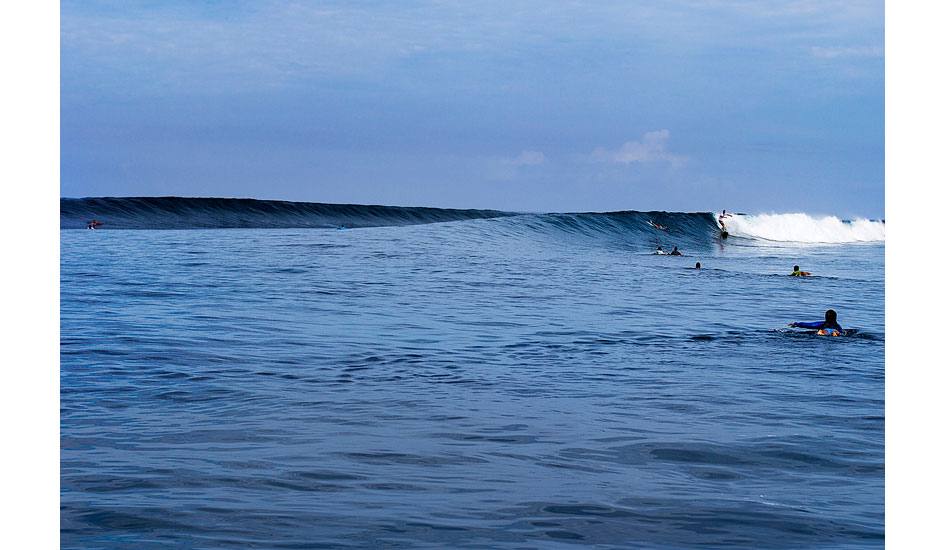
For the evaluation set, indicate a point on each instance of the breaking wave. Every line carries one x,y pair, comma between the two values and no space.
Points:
804,228
696,227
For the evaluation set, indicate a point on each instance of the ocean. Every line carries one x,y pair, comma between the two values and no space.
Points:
244,374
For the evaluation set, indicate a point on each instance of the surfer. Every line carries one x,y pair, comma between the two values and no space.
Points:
722,220
798,272
676,252
94,224
697,265
659,251
828,327
658,226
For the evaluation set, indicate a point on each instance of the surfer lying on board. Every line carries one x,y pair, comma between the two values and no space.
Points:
659,251
658,226
798,272
828,327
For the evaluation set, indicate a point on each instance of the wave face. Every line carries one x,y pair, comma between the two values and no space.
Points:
684,229
206,213
805,229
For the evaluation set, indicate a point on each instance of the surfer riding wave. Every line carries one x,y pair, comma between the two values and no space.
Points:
722,220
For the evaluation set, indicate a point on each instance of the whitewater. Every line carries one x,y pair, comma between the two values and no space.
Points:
802,228
241,373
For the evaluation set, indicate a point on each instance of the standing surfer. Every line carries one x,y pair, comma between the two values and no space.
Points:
722,220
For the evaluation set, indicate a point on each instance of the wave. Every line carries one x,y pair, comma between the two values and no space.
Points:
803,228
205,213
621,226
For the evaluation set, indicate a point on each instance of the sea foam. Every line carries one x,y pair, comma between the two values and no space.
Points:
800,227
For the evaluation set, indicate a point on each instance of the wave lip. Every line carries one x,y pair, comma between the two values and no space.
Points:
804,228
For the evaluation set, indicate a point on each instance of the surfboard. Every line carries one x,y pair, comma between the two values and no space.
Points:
845,332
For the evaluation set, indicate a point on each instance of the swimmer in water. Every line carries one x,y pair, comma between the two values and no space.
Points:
659,251
697,265
676,252
828,327
798,272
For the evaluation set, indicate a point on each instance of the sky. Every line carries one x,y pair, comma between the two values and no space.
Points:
534,106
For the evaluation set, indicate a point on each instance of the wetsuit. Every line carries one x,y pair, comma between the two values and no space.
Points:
800,273
821,325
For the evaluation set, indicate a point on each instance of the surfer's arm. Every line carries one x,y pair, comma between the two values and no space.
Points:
816,324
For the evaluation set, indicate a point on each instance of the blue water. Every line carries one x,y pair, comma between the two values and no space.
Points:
487,383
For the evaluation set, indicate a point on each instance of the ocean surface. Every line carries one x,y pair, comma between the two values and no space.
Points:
246,375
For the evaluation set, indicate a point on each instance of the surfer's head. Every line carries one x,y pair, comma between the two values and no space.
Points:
697,265
795,268
831,316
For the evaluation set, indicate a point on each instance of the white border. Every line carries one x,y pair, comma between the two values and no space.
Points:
29,49
916,119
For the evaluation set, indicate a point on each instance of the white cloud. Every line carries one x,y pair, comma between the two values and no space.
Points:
652,149
506,168
526,158
831,53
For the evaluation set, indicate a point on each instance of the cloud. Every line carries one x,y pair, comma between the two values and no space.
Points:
831,53
506,168
526,158
652,149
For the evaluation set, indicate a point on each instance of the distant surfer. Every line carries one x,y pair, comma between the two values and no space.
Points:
94,224
698,266
828,327
796,272
658,226
676,252
659,251
722,220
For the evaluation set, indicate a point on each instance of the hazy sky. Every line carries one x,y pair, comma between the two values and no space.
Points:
535,105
